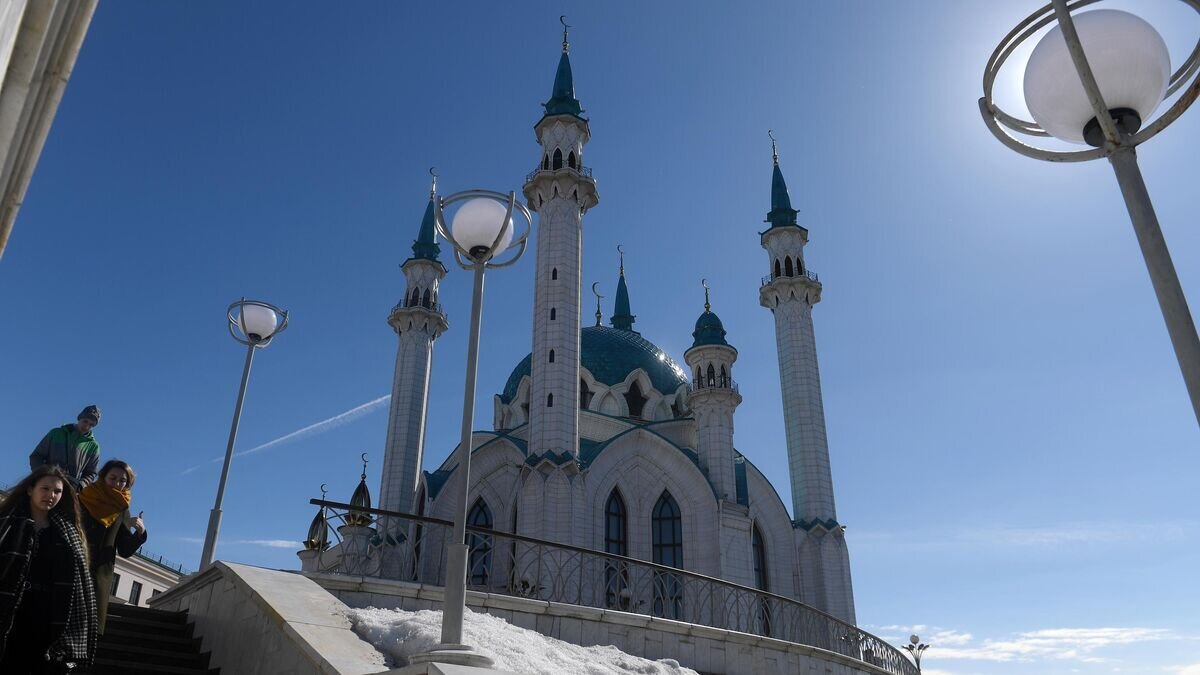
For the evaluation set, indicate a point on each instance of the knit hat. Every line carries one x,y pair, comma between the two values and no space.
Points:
92,413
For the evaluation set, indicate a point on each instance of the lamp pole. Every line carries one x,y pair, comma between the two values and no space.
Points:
481,229
255,325
1114,133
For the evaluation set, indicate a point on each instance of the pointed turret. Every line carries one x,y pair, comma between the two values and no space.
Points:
562,98
709,329
622,317
782,214
425,246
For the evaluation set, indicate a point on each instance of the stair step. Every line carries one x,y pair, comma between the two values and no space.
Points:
148,625
135,612
119,635
141,653
105,666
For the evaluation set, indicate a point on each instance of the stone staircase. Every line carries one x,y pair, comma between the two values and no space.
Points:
141,641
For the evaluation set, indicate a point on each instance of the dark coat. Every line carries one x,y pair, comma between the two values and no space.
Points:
74,608
104,545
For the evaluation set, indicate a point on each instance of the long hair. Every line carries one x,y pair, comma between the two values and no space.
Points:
67,506
117,464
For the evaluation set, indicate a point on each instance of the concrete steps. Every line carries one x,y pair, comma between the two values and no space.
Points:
140,641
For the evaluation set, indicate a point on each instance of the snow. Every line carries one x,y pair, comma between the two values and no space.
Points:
399,634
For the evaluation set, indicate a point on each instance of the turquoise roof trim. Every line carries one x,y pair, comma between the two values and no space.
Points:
782,214
610,355
436,480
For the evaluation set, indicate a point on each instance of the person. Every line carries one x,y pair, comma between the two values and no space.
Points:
47,602
106,523
72,448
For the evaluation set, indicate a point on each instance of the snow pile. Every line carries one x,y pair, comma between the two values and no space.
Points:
400,634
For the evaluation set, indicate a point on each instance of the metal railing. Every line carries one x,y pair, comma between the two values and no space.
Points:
809,274
431,306
582,170
715,383
161,561
388,544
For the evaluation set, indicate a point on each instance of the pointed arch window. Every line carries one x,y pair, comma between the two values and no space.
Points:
571,159
787,266
666,536
551,356
616,542
426,300
417,535
479,561
545,162
554,274
712,376
777,268
585,395
557,159
553,313
549,400
635,400
762,609
415,298
724,377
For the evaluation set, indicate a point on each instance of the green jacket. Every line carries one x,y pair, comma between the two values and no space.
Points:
78,455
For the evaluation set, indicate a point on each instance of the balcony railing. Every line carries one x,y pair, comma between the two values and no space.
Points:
582,170
715,383
431,306
388,544
808,274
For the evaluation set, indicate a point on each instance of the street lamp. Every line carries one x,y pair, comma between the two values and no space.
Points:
916,649
481,229
255,324
1105,100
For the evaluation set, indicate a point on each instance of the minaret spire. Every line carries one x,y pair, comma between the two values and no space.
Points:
622,317
782,214
599,315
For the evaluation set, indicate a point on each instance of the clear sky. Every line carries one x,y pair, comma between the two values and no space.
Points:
1013,450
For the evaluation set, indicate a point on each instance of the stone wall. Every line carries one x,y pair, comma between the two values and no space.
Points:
257,621
708,650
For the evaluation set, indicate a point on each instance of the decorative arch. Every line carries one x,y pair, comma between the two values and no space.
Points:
777,267
427,299
557,163
616,542
762,610
571,159
585,394
787,266
415,298
666,544
479,561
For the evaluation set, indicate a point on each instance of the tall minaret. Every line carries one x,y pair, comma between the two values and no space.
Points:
418,320
713,399
790,294
561,190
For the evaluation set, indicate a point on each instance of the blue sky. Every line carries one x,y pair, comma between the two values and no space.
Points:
1013,449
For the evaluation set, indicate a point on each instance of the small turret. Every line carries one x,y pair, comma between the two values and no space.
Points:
360,499
713,399
622,318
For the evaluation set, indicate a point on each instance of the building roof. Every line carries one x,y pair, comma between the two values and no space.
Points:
562,99
610,355
782,214
709,330
425,247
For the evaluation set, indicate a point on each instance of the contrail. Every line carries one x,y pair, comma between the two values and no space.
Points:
310,430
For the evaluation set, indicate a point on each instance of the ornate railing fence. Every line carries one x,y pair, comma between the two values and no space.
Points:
811,275
387,544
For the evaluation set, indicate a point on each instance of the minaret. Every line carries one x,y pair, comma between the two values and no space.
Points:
713,399
622,317
418,320
790,292
561,190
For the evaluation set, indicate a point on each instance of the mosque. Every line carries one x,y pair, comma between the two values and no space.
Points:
600,439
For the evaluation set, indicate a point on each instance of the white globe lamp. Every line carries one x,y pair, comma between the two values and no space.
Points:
477,223
1129,61
258,322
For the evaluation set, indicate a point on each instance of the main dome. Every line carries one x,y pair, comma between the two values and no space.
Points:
610,355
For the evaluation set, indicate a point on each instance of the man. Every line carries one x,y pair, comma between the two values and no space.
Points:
72,448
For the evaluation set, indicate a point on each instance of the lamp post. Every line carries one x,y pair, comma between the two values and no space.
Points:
916,649
255,325
481,229
1105,99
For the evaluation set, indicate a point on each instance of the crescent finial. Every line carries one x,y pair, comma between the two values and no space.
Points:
563,20
704,283
774,152
364,460
599,314
433,187
324,490
621,252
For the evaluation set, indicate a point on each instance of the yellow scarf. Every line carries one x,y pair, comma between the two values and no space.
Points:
105,503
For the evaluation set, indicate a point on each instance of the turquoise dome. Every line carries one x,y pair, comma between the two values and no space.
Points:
610,355
709,330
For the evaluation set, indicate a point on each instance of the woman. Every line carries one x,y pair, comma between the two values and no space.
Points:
47,603
106,521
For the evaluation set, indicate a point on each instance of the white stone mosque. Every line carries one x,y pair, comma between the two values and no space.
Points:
600,439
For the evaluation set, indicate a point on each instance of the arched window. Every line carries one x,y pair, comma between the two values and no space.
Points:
545,162
551,356
712,376
549,400
635,400
553,313
557,159
426,301
554,274
762,609
799,266
571,159
415,298
787,266
418,535
479,564
724,377
666,536
777,267
585,395
616,542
